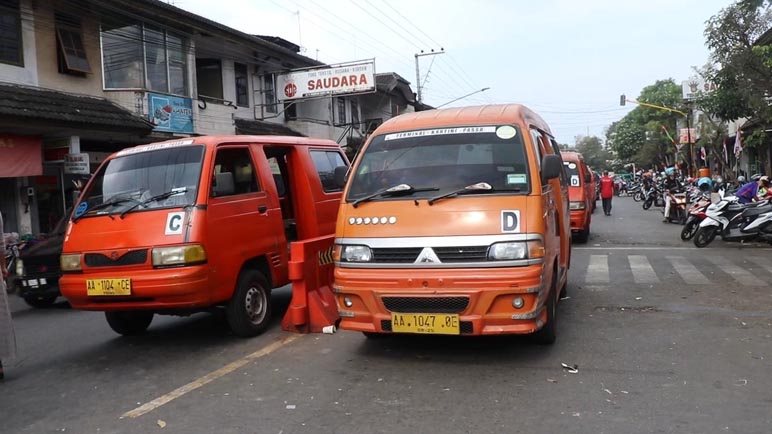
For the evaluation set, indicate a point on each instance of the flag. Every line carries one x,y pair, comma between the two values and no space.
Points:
667,133
726,153
738,144
703,155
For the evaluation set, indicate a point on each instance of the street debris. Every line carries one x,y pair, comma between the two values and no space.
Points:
639,298
741,382
608,391
552,380
565,298
571,369
291,406
161,423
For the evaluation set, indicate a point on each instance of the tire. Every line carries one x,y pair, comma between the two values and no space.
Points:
564,290
647,203
548,333
705,236
39,302
638,196
129,323
583,235
690,229
249,311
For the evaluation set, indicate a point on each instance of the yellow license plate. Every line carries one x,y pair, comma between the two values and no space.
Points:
425,323
108,286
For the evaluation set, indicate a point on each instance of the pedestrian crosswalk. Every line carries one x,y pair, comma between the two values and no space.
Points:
657,268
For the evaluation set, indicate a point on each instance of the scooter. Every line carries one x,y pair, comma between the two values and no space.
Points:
653,197
736,222
696,216
678,205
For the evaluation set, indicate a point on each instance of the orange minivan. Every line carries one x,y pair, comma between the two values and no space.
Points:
454,221
581,194
197,224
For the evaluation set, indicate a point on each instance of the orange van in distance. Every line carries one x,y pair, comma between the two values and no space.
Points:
454,221
197,224
581,194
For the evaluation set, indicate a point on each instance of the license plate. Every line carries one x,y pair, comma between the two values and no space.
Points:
425,323
108,286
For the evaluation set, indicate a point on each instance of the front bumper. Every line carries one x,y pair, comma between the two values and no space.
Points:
43,285
490,294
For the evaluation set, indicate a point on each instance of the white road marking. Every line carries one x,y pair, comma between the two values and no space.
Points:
743,276
208,378
765,263
597,269
642,270
687,271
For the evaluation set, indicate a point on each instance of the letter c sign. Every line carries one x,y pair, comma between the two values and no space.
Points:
174,222
510,221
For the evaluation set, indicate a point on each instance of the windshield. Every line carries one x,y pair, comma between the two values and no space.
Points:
443,160
133,179
572,171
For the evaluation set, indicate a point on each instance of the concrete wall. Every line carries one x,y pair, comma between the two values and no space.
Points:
28,73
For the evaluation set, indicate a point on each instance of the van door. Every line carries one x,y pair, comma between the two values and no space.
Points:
242,223
550,197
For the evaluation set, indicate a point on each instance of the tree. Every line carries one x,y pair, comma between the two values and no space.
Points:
593,152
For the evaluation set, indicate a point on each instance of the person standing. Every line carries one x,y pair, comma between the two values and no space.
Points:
749,192
7,336
606,192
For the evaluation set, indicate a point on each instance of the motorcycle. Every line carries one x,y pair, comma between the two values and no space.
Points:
736,222
678,203
653,196
696,216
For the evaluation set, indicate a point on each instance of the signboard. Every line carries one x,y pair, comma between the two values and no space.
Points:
76,164
170,113
694,86
325,81
685,134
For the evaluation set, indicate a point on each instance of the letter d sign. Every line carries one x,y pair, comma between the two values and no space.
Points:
510,221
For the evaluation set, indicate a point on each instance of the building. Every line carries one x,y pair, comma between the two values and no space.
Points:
92,77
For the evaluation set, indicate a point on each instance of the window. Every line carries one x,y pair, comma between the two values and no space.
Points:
290,111
269,94
70,51
355,114
236,164
137,56
242,84
341,111
556,151
10,33
209,77
325,163
537,146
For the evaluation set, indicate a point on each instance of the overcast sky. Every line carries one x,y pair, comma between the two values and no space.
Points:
567,59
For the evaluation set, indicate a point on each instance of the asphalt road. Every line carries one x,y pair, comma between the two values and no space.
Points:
667,338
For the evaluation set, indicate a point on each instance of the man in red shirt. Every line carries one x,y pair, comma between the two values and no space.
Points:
606,192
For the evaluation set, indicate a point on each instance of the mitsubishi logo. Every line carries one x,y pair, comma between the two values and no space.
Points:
427,256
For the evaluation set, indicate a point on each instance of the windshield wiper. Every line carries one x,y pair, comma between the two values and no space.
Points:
162,196
393,191
473,188
104,205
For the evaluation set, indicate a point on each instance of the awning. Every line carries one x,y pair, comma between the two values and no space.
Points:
20,156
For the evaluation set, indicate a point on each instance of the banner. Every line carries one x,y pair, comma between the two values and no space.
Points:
170,113
20,156
687,135
345,79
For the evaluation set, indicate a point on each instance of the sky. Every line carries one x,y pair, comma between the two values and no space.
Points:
569,60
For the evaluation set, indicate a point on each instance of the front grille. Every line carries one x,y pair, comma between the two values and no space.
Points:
466,326
399,255
426,304
462,254
134,257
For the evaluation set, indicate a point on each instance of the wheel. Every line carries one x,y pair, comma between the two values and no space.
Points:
564,289
638,196
691,227
38,301
705,236
647,203
249,311
548,333
583,235
131,323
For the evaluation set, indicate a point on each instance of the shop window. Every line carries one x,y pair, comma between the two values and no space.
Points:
242,84
341,112
269,93
290,111
355,114
71,53
209,77
11,48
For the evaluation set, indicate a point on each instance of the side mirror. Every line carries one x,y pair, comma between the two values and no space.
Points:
551,166
223,185
341,175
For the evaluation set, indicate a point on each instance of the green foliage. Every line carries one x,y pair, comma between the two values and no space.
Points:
593,152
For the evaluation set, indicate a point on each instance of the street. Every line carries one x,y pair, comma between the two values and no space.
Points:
666,338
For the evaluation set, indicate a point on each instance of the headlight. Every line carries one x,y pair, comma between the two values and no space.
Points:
352,253
70,262
512,251
19,267
178,255
575,205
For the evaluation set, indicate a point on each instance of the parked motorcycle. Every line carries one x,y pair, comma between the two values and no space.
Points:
736,222
653,196
696,215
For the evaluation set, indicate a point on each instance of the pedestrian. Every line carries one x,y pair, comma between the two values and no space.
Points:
749,192
606,192
7,336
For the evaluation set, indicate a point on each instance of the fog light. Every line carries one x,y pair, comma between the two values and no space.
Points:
347,301
518,303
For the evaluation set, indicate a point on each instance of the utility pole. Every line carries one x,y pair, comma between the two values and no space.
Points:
417,70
